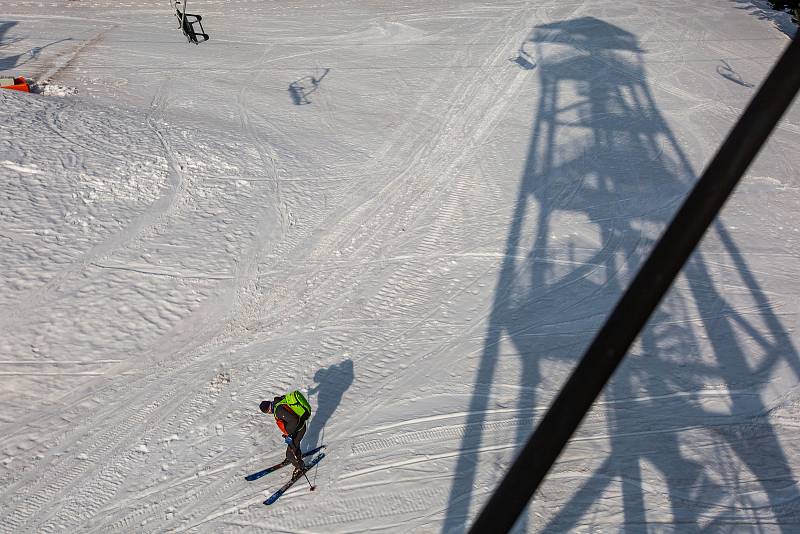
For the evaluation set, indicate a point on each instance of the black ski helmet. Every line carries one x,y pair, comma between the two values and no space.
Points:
265,406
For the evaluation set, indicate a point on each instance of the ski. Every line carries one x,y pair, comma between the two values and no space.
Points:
275,496
268,470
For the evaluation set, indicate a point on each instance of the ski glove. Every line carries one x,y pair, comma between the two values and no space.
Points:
289,441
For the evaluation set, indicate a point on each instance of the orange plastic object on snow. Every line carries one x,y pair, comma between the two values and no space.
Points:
19,85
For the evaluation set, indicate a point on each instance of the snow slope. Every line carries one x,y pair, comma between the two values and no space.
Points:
418,214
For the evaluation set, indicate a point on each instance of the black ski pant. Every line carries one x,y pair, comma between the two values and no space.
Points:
293,453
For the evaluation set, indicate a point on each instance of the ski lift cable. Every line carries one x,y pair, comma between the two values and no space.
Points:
634,308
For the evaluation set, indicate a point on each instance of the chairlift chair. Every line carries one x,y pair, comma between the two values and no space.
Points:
187,22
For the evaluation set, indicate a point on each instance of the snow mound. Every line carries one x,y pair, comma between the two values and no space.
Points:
47,88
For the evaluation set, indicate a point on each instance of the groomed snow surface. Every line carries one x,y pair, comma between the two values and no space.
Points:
418,213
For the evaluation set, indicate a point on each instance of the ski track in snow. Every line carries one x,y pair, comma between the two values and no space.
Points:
181,241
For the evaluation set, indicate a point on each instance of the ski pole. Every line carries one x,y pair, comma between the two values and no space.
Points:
299,454
310,485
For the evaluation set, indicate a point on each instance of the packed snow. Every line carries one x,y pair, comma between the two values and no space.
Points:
418,214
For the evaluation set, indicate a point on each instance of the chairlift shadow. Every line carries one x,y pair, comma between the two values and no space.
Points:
523,59
301,88
18,60
727,72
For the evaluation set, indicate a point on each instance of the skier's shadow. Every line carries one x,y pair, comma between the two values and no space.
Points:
332,382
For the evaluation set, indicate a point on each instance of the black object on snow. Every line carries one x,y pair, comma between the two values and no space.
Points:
187,22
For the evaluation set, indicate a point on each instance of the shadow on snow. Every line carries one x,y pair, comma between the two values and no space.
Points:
601,156
332,382
8,62
300,89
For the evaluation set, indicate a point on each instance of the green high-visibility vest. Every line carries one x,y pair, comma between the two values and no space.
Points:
296,401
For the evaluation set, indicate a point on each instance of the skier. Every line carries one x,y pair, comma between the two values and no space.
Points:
291,412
